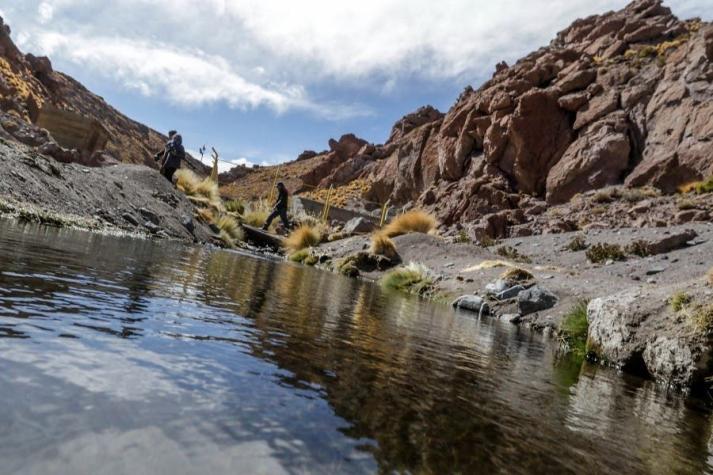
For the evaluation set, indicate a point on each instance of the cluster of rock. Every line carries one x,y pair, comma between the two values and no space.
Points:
620,98
28,82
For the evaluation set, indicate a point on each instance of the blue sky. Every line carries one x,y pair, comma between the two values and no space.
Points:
263,80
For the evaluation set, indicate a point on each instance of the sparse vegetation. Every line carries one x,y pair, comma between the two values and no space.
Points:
679,301
603,252
709,276
510,252
685,204
699,187
516,274
230,226
382,245
462,237
304,256
413,279
414,221
235,206
639,248
702,317
302,237
577,243
575,329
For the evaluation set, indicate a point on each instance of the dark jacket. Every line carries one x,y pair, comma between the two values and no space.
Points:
282,199
174,153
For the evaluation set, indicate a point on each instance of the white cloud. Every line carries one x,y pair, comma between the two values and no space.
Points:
280,53
224,166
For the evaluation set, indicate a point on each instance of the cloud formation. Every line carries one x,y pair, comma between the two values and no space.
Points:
281,54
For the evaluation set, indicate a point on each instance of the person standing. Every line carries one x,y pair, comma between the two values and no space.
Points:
175,153
280,208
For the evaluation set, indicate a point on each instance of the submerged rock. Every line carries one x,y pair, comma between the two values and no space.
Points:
472,303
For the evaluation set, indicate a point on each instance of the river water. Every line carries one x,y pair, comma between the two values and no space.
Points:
127,356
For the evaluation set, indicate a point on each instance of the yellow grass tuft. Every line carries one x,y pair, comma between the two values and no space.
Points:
199,190
516,274
415,221
489,264
382,245
709,276
205,215
302,237
231,227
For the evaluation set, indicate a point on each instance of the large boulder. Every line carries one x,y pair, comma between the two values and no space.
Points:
598,158
535,299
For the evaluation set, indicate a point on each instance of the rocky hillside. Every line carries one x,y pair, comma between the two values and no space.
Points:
28,82
619,98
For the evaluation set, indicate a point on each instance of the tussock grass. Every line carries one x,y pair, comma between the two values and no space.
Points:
382,245
255,218
414,221
516,274
413,278
205,215
709,276
578,243
231,227
679,301
303,237
201,191
575,329
603,252
462,237
685,204
702,317
512,253
235,206
347,266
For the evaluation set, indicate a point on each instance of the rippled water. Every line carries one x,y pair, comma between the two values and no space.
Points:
127,356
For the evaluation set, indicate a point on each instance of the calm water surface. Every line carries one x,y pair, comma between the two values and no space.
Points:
127,356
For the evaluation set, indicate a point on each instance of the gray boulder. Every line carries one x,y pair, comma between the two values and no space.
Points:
496,287
510,293
359,226
472,303
535,299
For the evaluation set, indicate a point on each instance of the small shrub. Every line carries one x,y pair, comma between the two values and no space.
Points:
702,317
415,221
487,241
231,227
603,252
606,195
679,301
413,279
235,206
382,245
575,329
462,237
639,248
226,238
303,256
302,237
578,243
634,195
516,274
510,252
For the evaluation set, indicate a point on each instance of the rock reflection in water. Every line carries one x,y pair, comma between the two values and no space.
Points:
185,360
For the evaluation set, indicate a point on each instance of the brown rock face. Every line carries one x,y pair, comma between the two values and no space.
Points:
623,97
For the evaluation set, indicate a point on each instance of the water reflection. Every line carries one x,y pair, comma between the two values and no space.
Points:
162,358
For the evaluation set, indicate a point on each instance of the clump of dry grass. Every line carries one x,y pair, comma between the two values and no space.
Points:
304,256
516,274
699,187
640,247
231,227
200,190
205,215
679,301
709,276
414,221
303,237
685,204
702,317
413,278
382,245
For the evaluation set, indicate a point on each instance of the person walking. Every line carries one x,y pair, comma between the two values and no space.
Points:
280,208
